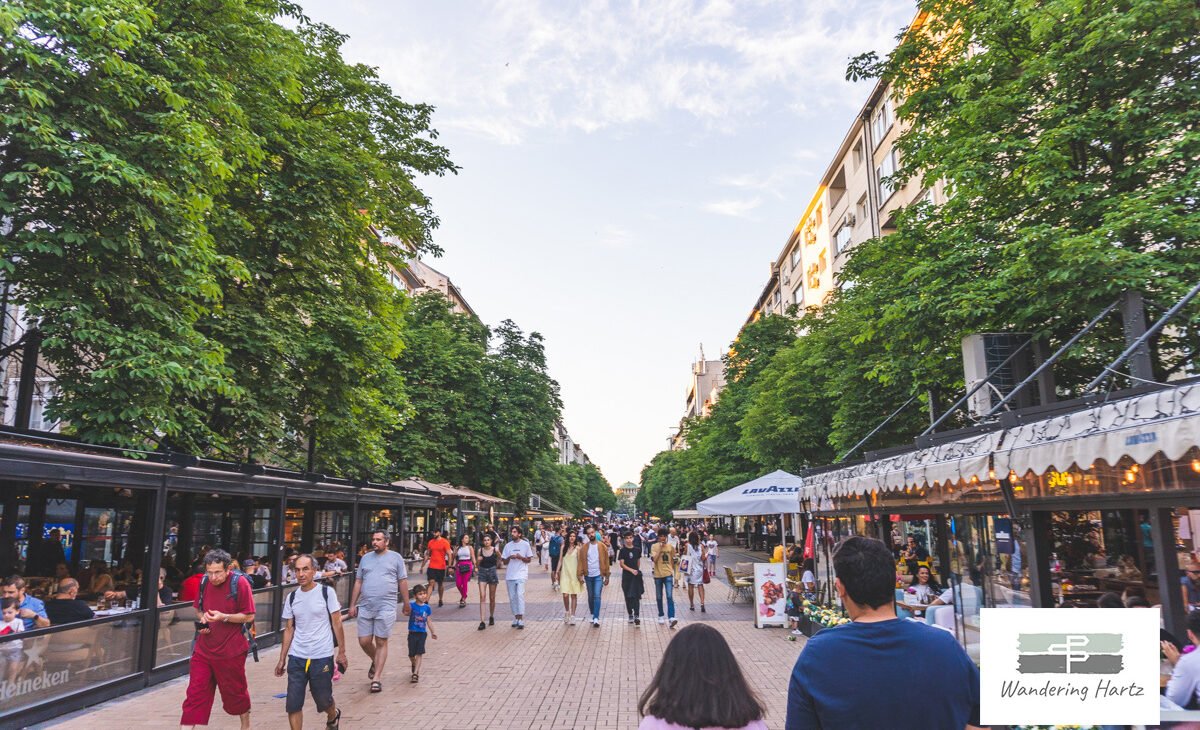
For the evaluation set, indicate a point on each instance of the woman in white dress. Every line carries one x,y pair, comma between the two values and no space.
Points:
696,557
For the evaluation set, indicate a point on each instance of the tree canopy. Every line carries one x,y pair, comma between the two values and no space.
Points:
1065,133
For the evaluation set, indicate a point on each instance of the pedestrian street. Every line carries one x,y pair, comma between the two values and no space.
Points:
551,675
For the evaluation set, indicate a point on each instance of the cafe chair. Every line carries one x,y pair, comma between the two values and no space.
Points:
741,587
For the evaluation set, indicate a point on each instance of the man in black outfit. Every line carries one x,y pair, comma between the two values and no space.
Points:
65,607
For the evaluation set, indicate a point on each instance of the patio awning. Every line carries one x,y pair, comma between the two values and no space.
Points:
686,514
948,462
773,494
1165,420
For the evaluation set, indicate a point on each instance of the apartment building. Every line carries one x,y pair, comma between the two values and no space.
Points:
569,452
707,381
855,200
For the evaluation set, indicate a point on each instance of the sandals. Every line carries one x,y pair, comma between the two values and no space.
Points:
462,603
371,671
416,678
335,722
376,687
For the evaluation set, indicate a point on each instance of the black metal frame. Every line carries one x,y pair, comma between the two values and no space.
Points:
69,462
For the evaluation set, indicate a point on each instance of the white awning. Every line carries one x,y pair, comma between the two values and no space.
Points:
947,462
686,514
773,494
1166,421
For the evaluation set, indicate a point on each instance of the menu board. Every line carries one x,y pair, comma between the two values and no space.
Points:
770,594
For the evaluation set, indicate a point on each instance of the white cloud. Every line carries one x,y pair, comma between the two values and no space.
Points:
615,237
516,68
734,207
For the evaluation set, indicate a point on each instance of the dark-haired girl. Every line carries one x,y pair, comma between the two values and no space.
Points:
682,696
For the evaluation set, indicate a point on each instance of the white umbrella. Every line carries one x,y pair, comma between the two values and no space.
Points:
776,493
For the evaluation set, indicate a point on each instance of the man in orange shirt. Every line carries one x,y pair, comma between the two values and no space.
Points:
437,557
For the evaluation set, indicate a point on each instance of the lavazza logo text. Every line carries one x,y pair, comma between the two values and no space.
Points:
1044,666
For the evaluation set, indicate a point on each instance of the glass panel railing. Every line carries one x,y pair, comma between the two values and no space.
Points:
264,610
176,631
67,660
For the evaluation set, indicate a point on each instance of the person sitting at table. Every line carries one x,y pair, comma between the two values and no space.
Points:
125,573
1127,569
923,586
1189,585
190,590
66,607
250,568
1110,600
31,610
1184,687
913,554
808,580
164,591
1163,634
61,573
102,580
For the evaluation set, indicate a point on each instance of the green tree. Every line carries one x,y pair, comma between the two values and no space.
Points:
597,491
1066,134
443,365
119,131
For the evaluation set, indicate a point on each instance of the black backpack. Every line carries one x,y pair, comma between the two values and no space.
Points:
248,629
324,597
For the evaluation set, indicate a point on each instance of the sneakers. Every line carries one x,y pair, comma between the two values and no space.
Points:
637,621
491,620
566,617
631,618
514,623
674,622
572,622
701,608
595,623
662,619
520,624
482,626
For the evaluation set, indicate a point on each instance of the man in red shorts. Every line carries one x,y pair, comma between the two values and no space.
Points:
219,656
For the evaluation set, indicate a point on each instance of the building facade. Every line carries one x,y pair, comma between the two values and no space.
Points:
707,382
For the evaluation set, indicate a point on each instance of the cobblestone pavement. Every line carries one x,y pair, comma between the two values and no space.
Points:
550,675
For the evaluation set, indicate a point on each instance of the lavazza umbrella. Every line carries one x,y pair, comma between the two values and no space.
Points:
777,493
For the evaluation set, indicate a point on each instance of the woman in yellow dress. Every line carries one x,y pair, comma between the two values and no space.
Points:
567,576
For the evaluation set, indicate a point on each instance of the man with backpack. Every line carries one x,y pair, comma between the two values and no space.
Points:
312,630
224,610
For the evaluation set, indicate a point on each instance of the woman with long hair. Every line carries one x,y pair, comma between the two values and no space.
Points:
486,563
567,576
464,566
699,684
696,557
924,586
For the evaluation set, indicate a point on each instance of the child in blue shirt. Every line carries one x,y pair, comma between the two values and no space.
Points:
419,626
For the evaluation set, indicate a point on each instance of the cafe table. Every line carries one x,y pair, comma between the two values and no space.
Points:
917,609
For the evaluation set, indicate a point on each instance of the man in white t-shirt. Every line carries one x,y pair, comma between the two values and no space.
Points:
517,555
312,630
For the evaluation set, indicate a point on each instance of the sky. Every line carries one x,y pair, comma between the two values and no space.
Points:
628,172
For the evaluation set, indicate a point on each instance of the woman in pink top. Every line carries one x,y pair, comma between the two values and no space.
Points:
699,686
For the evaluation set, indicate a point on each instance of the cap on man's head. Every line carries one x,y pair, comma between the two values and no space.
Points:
248,562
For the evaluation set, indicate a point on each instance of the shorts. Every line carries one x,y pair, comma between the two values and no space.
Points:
436,575
489,576
379,625
416,643
317,674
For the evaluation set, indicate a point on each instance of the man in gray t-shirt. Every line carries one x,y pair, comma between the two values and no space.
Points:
382,580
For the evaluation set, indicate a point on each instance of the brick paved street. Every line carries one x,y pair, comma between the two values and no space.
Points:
549,675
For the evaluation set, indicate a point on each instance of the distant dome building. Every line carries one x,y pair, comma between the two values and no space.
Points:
628,490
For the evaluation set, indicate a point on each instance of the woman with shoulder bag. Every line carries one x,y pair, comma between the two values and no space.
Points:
464,566
697,564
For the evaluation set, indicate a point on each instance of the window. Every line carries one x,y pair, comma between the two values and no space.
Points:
860,210
842,239
858,153
885,170
795,257
798,296
881,123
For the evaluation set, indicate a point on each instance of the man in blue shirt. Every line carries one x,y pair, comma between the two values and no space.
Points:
30,610
861,674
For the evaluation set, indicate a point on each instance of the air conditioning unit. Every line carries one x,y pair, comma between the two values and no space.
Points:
983,353
851,219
